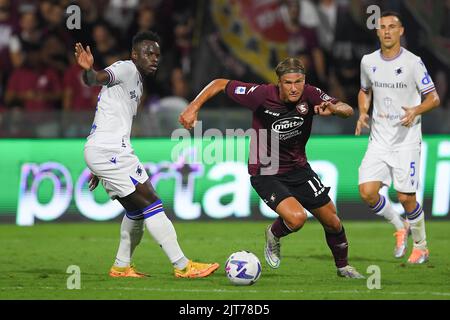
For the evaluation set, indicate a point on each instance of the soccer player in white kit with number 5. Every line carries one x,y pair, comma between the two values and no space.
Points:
398,80
110,157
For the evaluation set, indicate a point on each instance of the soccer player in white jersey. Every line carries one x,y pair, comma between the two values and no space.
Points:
110,157
402,91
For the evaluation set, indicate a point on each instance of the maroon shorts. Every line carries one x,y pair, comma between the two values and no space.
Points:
302,183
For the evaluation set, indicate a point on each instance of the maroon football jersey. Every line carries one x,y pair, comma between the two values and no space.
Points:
288,123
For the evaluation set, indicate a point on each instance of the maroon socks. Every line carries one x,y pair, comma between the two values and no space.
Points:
279,228
337,242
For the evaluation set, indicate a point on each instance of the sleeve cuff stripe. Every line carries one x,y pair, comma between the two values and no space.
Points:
364,89
111,76
426,89
226,87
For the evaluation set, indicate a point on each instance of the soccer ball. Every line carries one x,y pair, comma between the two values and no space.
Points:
243,268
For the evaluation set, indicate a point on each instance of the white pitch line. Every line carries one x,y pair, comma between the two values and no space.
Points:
381,291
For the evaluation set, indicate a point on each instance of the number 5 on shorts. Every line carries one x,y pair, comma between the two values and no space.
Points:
413,168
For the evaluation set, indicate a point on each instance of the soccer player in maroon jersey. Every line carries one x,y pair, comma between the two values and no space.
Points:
286,112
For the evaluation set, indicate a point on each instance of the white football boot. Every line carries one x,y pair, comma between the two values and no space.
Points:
349,272
272,249
401,243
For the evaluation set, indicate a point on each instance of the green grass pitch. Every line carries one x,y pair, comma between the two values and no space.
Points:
34,261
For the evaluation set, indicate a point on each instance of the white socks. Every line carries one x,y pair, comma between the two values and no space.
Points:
162,230
131,232
384,208
416,219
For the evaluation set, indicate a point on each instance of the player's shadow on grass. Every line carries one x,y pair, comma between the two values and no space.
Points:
39,273
45,272
37,270
351,258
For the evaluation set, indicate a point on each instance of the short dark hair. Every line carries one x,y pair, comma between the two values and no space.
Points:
392,14
144,35
290,65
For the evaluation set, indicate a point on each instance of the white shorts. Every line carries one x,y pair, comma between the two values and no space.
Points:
401,166
119,170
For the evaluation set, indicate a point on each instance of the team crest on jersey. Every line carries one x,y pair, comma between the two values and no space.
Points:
387,103
133,95
302,108
398,71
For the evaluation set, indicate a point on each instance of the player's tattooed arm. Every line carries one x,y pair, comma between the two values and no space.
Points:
85,59
339,109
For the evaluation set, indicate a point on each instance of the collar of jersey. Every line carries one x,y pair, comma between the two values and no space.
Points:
393,58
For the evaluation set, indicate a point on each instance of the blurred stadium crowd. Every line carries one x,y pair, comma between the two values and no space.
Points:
41,93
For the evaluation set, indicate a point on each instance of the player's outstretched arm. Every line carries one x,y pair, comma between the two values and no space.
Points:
85,59
363,106
189,116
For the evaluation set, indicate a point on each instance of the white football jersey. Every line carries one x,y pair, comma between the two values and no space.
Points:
117,105
395,83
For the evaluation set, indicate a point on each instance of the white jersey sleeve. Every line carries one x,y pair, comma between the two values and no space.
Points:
365,81
422,79
119,72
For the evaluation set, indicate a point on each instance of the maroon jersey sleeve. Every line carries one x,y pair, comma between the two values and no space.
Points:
249,95
316,96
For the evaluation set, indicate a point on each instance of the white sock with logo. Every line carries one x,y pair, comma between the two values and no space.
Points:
131,232
416,219
383,208
162,230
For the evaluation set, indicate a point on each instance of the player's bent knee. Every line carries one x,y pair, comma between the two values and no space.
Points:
147,191
406,198
297,221
335,225
408,201
369,195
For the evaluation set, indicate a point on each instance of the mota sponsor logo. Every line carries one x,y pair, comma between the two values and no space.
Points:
287,124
